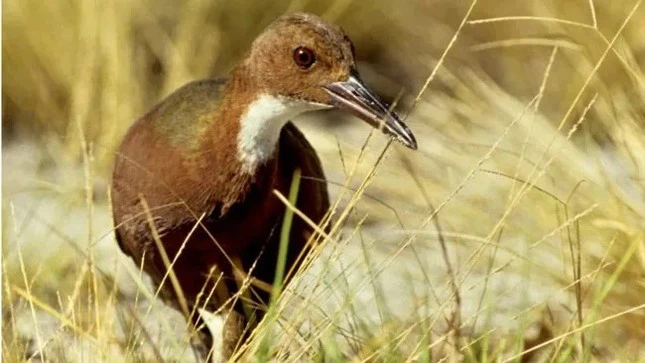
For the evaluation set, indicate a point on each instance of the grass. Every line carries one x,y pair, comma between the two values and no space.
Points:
515,231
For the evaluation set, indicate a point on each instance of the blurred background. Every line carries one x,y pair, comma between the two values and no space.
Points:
531,162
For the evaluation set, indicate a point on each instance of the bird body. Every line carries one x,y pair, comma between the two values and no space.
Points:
196,174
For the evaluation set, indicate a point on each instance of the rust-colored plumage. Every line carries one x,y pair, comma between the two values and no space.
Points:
181,182
181,163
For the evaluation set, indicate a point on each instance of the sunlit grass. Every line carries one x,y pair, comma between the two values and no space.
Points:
516,230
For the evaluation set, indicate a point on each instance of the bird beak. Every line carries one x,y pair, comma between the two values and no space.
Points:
352,95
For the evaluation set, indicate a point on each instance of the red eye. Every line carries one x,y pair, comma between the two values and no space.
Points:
304,57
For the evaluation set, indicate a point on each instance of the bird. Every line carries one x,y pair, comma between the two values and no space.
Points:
193,182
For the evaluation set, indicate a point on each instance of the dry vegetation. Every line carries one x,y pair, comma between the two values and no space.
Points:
516,231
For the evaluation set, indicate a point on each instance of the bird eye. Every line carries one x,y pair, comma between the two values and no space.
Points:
304,57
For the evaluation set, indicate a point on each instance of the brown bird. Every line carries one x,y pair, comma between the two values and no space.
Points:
194,177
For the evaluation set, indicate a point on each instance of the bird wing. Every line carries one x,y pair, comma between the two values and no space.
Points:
314,184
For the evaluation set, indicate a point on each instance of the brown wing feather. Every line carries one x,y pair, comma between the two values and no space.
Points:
314,198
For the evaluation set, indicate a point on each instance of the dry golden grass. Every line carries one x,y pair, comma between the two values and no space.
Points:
517,228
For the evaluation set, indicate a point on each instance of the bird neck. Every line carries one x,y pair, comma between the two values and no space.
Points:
221,159
260,114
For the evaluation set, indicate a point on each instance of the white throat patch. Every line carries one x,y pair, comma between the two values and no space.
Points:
260,127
